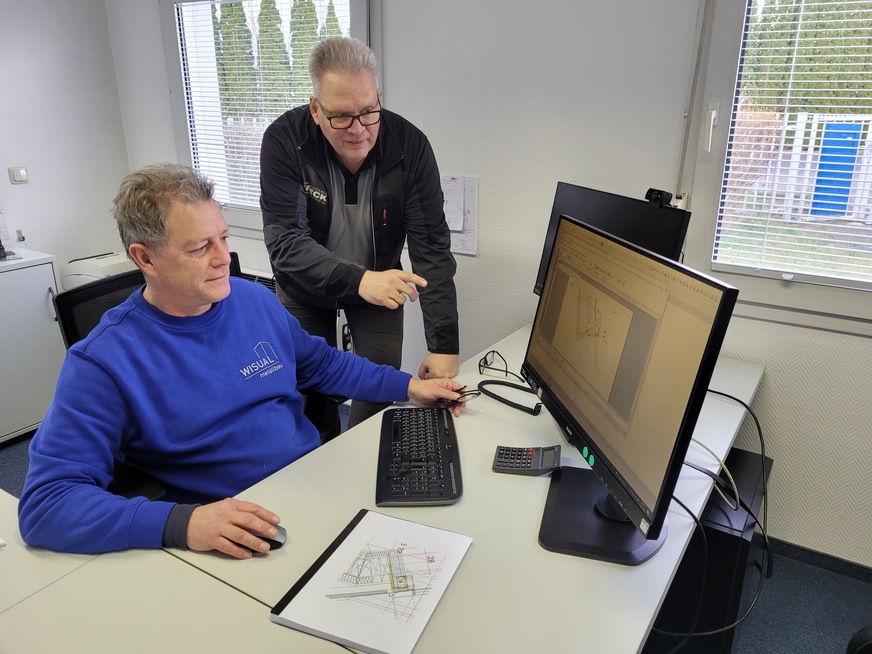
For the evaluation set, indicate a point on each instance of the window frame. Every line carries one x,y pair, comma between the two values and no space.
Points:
365,19
803,300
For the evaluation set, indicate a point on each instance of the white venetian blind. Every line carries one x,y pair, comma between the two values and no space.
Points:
796,199
243,64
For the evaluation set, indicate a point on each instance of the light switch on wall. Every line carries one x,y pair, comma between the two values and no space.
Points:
18,174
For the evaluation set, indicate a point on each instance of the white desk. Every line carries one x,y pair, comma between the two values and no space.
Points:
144,601
509,595
23,570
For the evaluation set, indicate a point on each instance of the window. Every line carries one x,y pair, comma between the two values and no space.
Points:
797,190
783,179
241,65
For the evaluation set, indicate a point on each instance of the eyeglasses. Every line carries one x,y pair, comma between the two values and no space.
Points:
465,396
494,361
367,118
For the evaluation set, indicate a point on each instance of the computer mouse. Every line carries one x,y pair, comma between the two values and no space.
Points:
275,542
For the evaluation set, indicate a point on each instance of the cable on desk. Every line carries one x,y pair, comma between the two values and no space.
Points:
723,466
767,554
766,566
763,525
483,388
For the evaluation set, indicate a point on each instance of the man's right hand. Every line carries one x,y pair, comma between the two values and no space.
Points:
230,526
389,288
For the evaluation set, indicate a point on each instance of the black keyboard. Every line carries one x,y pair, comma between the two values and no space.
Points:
418,458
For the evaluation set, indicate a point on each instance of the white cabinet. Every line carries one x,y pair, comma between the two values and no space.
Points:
31,347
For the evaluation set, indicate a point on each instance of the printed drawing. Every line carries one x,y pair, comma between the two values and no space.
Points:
391,580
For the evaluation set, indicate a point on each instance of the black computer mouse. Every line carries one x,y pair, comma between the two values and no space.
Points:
276,541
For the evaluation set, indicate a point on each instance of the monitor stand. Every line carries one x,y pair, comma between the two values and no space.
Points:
573,524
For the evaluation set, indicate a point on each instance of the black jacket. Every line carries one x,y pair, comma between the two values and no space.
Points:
407,203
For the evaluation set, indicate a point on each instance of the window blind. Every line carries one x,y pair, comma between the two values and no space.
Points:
243,64
796,196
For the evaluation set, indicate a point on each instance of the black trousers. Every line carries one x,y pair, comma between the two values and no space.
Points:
376,334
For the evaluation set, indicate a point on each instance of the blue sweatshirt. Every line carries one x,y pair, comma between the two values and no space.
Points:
208,406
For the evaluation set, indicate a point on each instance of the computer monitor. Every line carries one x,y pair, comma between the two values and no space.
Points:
621,353
660,229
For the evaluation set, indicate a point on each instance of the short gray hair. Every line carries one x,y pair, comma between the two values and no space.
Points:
145,196
340,54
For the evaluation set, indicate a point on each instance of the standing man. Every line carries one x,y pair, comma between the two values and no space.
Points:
344,183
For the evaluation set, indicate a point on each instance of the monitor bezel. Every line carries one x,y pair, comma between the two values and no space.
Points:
658,228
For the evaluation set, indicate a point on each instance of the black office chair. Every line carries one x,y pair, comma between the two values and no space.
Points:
78,311
861,643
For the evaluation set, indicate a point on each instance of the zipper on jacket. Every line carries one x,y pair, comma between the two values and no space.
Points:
384,219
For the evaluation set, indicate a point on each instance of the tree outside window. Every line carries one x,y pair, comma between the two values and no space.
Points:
797,188
244,64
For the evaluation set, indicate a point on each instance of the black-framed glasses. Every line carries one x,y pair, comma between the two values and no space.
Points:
465,396
495,362
367,118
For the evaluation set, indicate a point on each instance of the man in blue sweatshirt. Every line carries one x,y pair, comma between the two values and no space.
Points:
194,380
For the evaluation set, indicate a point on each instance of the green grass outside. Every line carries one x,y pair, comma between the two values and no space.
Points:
835,248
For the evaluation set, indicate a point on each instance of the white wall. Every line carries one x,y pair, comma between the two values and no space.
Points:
520,95
60,118
814,407
143,91
529,94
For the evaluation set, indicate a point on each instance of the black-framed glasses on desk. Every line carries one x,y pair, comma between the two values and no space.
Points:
495,362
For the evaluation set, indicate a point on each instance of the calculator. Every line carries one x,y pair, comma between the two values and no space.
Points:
532,461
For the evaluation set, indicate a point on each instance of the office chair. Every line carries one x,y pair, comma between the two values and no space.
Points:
78,311
861,643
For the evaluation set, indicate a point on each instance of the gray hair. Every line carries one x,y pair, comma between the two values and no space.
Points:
145,196
340,54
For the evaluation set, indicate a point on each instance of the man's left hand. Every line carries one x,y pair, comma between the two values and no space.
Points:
434,391
436,366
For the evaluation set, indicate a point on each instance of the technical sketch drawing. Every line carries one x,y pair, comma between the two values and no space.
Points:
391,580
590,328
595,327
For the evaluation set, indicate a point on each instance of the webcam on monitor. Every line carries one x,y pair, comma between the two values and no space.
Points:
658,197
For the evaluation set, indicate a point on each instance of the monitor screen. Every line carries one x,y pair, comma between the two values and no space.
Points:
660,229
621,353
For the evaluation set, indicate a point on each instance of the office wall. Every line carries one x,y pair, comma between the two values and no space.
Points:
521,98
529,94
815,411
60,118
143,92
